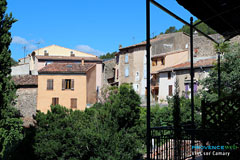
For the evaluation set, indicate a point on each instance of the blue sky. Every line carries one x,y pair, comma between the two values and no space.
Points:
93,26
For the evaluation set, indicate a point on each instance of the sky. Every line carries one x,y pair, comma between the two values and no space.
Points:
91,26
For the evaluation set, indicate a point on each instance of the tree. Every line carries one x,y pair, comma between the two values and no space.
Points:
110,130
108,55
230,71
171,29
202,26
10,123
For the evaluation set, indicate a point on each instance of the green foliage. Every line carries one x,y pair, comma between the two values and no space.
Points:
202,27
186,29
171,29
10,123
108,55
13,62
230,79
105,131
222,47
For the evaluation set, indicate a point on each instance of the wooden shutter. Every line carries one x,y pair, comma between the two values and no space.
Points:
73,102
57,101
72,84
63,84
170,90
49,84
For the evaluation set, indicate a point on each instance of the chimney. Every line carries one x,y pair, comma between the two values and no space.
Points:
82,61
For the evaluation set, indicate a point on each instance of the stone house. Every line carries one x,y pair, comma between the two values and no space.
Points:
108,72
181,72
166,50
26,102
69,84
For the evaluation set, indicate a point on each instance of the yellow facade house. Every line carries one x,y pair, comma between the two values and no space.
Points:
68,84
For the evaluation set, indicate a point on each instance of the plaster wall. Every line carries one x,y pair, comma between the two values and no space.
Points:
45,96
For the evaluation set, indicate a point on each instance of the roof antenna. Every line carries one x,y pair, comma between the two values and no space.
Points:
24,53
38,43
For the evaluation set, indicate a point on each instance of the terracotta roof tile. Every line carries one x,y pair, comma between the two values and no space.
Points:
25,80
186,65
66,68
67,58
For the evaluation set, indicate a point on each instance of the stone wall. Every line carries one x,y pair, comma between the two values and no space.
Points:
108,70
203,47
26,101
170,42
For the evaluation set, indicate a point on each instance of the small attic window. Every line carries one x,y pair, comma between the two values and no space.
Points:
72,54
46,53
69,66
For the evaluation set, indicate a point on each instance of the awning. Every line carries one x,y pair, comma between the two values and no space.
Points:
220,15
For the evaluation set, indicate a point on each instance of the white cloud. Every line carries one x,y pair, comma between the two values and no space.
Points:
19,40
30,44
88,49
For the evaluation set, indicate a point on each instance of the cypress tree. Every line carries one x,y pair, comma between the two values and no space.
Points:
7,89
10,122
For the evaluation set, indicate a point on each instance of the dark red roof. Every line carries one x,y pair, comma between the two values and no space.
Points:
25,80
186,65
67,58
66,68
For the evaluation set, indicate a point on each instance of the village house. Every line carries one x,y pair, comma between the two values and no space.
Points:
68,84
181,72
26,101
166,50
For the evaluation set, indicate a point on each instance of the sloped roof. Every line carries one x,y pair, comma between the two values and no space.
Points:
68,58
64,48
25,80
186,65
220,15
160,37
66,68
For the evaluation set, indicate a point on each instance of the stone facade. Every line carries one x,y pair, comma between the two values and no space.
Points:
171,42
203,47
26,101
108,70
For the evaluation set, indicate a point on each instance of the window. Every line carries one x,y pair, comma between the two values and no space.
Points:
137,76
50,84
163,61
154,62
117,73
55,101
170,93
72,54
73,102
126,71
169,75
46,53
68,84
126,58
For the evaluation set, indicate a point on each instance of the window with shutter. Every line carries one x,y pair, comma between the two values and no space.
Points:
126,71
63,84
170,90
68,84
126,58
72,84
50,84
169,75
73,102
55,101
